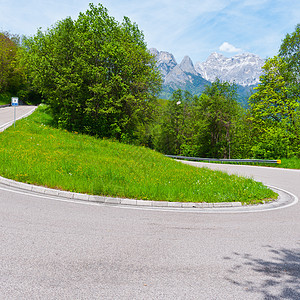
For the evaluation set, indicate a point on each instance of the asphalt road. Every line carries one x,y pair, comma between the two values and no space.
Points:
56,249
7,114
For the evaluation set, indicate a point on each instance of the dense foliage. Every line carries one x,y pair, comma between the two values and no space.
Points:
11,75
215,125
96,74
98,77
275,112
33,151
289,51
275,107
200,126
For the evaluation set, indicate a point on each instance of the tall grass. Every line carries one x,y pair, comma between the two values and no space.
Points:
34,152
290,163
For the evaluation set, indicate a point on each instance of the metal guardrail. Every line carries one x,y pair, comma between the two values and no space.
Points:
278,161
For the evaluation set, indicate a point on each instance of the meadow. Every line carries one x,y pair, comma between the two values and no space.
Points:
37,153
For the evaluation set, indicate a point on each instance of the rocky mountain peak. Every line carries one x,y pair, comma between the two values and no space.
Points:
243,69
187,66
154,51
165,61
215,56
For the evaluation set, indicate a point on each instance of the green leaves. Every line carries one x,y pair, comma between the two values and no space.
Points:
275,107
200,126
11,75
95,73
275,112
221,110
289,51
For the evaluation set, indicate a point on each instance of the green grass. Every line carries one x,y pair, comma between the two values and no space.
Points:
36,153
289,163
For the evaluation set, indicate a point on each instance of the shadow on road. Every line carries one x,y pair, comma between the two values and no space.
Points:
277,277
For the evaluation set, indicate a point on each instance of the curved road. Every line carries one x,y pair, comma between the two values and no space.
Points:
53,249
7,115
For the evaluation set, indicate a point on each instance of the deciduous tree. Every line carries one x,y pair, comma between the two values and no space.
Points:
220,110
274,112
95,73
10,73
290,52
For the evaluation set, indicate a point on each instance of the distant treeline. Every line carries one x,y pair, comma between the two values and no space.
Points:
98,78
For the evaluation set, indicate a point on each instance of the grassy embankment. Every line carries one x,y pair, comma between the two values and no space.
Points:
34,152
289,163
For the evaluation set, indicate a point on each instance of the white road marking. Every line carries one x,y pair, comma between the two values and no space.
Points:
177,210
8,124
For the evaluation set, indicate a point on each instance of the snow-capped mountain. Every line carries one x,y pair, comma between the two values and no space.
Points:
243,69
175,76
165,61
181,73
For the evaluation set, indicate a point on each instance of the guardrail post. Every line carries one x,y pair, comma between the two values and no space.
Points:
266,161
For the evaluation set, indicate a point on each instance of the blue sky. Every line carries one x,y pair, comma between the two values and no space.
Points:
194,27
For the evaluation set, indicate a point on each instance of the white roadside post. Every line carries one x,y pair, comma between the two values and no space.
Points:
14,103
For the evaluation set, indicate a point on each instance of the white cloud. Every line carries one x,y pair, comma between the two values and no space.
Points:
226,47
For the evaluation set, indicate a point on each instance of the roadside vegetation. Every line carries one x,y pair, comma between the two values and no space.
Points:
5,100
98,79
290,163
286,163
36,153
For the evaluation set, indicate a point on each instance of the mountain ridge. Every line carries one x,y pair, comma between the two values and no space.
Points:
243,69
